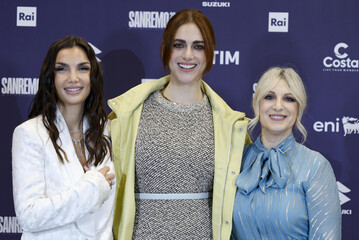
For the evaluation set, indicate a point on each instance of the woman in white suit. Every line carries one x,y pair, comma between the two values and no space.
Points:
61,156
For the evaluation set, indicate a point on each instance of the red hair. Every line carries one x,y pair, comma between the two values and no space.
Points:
188,16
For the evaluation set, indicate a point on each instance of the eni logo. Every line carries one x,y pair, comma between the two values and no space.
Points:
350,125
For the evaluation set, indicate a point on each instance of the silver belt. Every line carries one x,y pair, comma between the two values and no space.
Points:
173,196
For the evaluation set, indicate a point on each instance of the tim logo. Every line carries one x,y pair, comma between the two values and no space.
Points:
278,22
26,16
350,125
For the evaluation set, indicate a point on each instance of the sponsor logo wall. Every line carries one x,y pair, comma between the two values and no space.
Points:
319,40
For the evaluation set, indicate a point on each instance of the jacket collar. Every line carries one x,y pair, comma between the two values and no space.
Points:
133,98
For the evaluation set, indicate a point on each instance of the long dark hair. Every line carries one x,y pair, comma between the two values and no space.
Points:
45,102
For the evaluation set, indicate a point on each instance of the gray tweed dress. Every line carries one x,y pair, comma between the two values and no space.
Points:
174,154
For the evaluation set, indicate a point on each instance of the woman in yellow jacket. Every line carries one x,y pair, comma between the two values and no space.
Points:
177,145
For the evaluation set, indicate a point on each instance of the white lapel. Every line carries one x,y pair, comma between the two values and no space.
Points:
72,169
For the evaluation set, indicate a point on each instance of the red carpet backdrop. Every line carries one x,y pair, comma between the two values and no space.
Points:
320,39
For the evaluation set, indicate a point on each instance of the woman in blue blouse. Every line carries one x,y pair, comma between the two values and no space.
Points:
285,190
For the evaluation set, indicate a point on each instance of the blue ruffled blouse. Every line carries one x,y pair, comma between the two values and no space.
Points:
286,192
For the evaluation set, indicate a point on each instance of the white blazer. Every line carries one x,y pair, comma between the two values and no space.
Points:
55,200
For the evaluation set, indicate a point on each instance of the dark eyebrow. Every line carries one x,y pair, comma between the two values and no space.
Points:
179,40
198,42
194,42
83,63
66,65
61,63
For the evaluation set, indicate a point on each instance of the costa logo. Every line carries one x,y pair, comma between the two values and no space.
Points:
341,62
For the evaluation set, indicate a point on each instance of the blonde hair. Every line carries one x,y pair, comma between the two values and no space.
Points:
268,81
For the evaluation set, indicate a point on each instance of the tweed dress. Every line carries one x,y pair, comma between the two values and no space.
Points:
174,154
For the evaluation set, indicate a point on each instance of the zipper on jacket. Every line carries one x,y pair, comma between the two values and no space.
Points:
225,179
